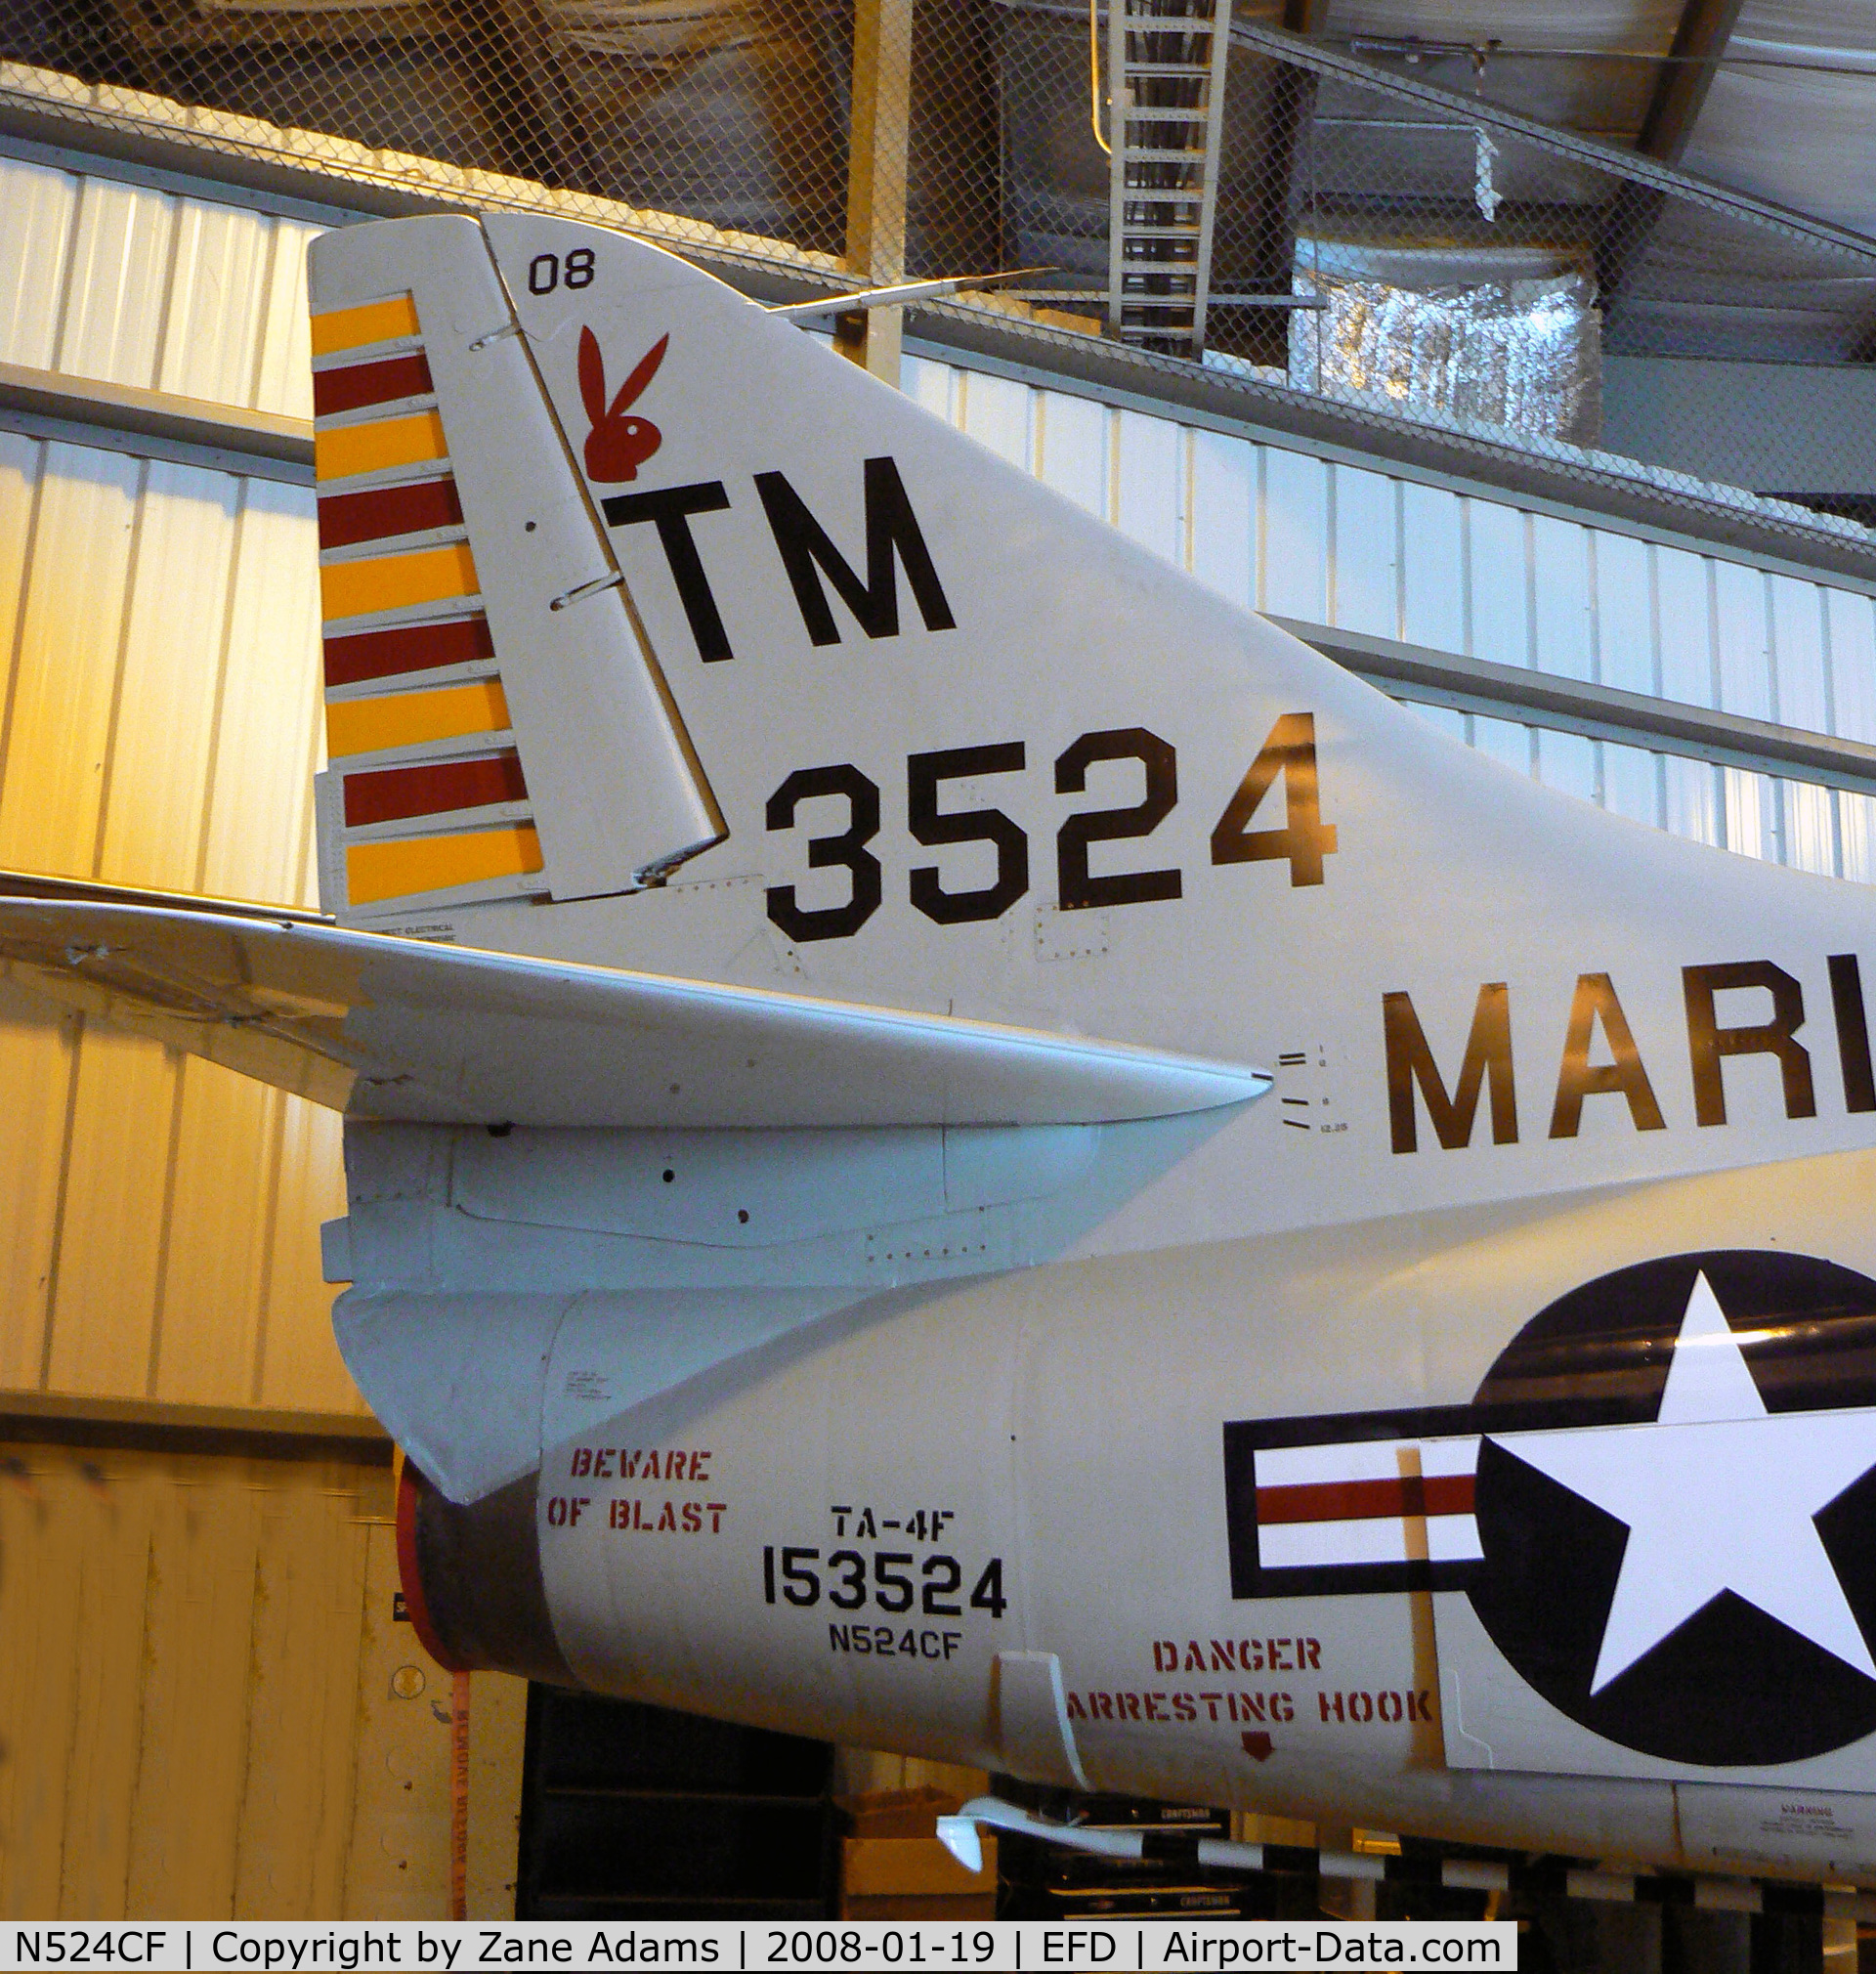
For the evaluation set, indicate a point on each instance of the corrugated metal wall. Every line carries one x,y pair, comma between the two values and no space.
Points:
135,286
1362,550
198,1714
158,1216
208,1708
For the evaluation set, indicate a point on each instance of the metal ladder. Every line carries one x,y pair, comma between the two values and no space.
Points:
1166,83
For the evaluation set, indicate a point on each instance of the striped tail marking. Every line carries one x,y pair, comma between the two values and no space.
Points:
433,800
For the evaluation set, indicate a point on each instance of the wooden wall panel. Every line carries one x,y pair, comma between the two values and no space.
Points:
398,1842
497,1739
193,1704
40,1653
303,1704
198,1716
111,1516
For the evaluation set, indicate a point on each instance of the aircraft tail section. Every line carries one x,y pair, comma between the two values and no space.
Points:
812,695
484,680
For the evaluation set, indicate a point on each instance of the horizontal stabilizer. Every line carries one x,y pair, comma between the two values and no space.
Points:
383,1027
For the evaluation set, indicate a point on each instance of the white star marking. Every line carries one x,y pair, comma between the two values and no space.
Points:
1717,1494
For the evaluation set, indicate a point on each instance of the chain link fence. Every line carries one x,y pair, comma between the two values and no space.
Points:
1290,222
731,114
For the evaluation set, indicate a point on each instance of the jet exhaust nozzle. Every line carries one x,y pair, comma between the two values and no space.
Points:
472,1581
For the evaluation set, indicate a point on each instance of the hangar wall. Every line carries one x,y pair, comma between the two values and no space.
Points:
133,285
1312,537
207,1707
160,731
159,621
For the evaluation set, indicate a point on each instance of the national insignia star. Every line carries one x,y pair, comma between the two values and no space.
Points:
1717,1494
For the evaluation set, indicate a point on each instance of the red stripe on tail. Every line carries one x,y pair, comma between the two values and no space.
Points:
410,647
380,511
359,384
432,788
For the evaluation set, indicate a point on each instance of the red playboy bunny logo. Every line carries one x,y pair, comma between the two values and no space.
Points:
618,445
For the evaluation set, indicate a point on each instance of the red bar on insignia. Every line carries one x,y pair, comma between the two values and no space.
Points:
380,511
432,788
409,647
1367,1501
359,384
1361,1500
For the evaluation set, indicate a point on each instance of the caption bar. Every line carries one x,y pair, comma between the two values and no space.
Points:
1124,1946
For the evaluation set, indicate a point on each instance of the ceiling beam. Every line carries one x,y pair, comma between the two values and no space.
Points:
1293,102
1667,125
1699,41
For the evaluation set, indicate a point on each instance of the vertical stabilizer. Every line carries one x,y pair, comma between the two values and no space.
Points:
483,675
977,754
